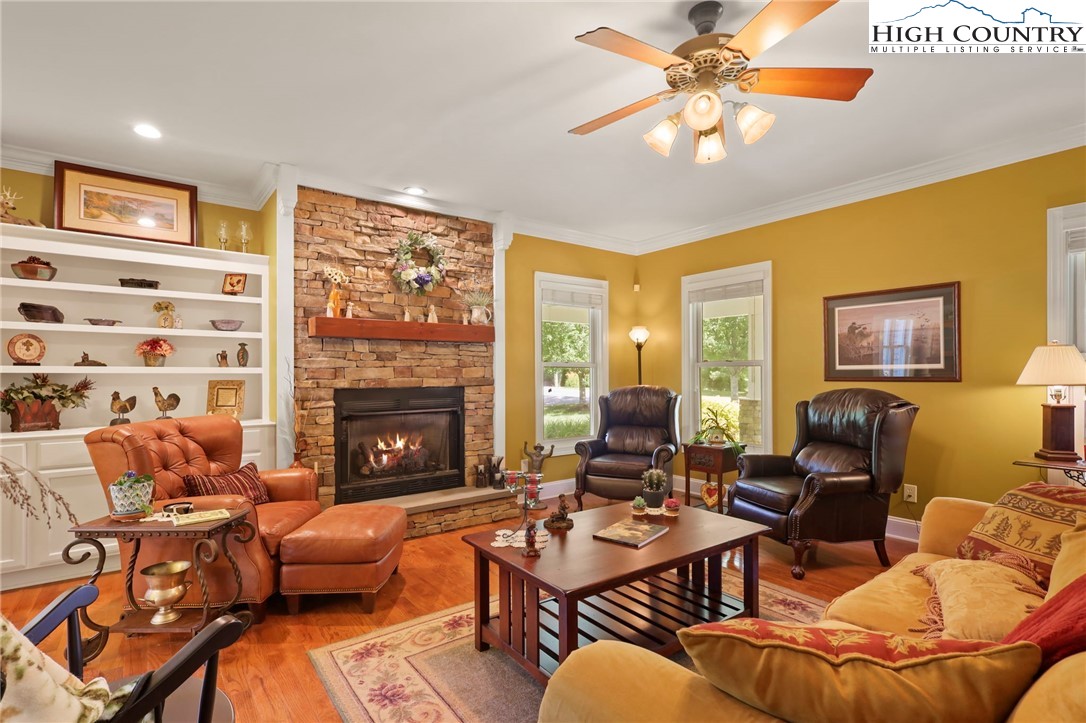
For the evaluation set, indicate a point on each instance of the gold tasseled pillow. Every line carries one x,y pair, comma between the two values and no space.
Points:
977,599
808,673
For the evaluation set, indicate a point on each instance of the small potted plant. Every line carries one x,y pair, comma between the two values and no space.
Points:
478,300
671,507
131,495
718,428
638,505
154,351
653,482
33,404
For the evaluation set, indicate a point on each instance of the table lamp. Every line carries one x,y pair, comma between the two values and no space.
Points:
1056,366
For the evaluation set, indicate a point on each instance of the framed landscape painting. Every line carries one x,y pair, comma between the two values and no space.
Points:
94,200
909,335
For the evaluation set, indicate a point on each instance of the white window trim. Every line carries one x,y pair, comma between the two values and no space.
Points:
1060,221
763,270
599,352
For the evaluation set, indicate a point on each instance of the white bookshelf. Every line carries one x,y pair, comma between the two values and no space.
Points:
87,286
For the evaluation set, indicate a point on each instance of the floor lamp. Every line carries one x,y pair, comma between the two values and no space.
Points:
639,335
1056,366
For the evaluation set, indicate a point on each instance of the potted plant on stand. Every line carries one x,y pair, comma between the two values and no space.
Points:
131,494
154,351
33,404
653,482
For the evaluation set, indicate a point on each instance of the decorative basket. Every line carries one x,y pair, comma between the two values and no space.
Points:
131,499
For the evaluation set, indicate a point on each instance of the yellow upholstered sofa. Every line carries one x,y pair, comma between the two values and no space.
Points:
610,681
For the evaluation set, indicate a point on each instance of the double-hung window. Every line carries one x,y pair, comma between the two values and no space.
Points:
571,357
1067,275
726,351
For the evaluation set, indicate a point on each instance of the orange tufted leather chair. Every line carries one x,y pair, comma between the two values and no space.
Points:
169,449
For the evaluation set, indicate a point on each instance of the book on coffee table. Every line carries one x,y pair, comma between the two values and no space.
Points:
632,533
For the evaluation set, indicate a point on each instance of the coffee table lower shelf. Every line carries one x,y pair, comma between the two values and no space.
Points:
647,613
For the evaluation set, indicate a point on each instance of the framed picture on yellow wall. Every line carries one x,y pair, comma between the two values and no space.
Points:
94,200
911,335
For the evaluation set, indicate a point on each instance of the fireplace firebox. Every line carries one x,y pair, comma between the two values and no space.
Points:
392,442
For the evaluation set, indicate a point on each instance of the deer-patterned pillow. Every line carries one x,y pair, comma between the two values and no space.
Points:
1029,521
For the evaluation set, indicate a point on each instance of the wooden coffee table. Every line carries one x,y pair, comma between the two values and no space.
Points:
605,591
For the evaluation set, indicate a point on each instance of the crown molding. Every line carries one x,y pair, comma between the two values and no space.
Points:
383,195
542,229
264,184
30,160
963,164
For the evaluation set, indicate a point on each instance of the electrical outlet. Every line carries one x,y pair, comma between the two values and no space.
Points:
910,493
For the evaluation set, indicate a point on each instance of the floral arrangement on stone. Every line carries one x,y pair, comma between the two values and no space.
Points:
477,297
415,279
338,277
155,346
33,404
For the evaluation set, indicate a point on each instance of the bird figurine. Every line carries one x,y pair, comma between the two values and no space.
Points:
165,404
121,407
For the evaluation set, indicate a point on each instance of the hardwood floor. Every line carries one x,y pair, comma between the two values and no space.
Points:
267,673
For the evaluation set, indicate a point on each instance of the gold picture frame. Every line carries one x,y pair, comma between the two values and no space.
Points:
94,200
226,396
234,284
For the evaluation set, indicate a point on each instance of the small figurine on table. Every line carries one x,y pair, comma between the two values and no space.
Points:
530,550
535,458
559,520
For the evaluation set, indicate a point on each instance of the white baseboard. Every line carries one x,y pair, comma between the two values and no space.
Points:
902,528
551,489
16,579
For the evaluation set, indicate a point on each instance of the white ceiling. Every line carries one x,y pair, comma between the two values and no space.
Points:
473,101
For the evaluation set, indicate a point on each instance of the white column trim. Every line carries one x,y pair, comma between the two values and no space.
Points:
286,189
503,239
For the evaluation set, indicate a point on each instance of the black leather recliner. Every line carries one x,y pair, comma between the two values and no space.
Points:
639,430
848,458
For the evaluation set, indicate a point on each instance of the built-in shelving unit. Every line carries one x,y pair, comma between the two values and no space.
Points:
87,286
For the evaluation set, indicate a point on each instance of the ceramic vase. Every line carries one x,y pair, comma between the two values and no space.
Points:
243,354
480,315
35,416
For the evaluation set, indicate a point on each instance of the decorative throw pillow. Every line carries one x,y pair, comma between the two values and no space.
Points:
37,688
1058,626
1071,562
807,673
1028,520
246,482
976,599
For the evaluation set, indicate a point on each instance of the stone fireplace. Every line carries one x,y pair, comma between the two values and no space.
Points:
392,442
361,238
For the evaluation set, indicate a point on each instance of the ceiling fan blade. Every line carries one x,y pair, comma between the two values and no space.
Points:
617,42
617,115
776,21
826,83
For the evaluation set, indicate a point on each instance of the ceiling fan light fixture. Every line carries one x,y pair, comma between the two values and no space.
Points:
703,110
753,122
709,145
662,136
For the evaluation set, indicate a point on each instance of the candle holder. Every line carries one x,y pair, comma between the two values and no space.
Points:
530,483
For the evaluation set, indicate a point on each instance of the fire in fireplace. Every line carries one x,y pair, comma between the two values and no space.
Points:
393,442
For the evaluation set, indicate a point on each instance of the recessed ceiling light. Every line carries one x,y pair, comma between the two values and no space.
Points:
415,190
146,222
147,130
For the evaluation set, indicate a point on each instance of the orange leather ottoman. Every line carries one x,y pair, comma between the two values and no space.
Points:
346,548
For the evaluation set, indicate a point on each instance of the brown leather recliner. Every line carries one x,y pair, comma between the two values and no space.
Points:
639,430
848,458
169,449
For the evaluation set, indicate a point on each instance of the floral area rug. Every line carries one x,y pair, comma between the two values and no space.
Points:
427,670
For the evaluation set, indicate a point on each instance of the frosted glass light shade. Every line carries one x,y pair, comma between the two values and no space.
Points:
662,137
703,110
1055,364
639,334
753,122
709,146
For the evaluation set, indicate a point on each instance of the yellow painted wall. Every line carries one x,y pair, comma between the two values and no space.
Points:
525,256
37,204
986,230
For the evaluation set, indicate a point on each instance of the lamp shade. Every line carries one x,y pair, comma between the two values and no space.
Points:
662,137
639,335
709,145
1053,365
753,122
703,110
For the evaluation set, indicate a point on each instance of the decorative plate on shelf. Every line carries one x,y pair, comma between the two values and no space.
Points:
26,349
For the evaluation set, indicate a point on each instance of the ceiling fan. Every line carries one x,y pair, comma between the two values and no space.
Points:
704,65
